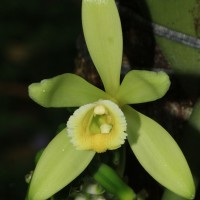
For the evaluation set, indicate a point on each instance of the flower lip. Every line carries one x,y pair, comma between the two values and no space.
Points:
98,126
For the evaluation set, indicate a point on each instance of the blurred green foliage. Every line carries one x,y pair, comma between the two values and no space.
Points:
181,16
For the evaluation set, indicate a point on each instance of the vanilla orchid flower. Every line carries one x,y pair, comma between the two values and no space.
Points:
104,120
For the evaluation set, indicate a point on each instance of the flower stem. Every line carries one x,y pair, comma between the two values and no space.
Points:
108,178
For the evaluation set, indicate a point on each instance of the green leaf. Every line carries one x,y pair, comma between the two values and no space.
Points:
141,86
59,164
66,90
182,16
103,35
158,153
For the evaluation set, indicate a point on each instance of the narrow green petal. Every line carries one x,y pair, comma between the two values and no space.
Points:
66,90
59,164
159,154
103,35
141,86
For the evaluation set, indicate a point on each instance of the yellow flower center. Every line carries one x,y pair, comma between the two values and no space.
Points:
97,126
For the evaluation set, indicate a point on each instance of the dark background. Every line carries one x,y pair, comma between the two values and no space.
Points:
37,41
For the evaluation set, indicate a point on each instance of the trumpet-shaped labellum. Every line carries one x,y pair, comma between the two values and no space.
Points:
98,126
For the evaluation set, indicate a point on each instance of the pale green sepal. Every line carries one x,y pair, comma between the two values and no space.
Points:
158,153
168,195
103,35
59,164
66,90
140,86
